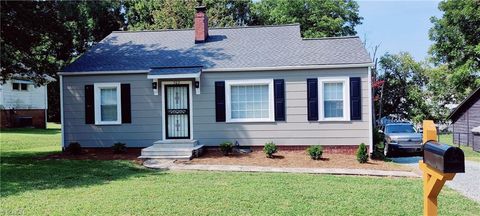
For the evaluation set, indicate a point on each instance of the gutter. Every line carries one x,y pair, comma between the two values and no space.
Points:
302,67
244,69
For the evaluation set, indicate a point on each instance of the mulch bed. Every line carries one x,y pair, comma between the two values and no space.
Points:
98,154
292,159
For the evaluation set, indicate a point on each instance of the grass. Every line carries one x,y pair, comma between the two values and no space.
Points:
468,151
72,187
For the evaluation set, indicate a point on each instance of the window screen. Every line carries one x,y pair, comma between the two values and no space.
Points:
249,101
108,104
333,100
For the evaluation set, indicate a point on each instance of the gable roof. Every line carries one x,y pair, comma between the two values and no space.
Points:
239,47
465,105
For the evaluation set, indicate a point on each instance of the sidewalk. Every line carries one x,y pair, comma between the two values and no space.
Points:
170,165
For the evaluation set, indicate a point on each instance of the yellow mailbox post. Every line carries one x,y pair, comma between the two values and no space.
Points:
440,163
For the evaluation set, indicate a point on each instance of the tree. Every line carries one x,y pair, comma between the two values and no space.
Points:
440,91
456,37
317,18
156,15
404,92
174,14
41,37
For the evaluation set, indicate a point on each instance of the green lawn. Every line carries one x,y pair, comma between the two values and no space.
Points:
469,153
69,187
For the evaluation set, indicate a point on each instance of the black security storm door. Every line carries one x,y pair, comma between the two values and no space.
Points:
177,112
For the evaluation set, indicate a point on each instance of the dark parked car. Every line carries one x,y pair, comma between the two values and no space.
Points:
402,137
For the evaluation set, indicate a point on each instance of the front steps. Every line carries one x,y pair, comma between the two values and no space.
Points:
172,149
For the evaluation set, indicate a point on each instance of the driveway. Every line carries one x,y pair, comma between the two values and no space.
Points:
467,183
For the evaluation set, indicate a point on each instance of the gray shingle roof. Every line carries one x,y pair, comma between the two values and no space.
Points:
174,70
265,46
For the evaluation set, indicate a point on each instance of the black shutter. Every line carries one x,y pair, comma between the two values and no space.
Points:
126,104
89,105
312,99
355,98
220,101
279,94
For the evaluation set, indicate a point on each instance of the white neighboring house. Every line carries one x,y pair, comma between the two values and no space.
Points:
22,103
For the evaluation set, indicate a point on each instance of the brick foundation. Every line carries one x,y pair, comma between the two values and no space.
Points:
329,149
10,118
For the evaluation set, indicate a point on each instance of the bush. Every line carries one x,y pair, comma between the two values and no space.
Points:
378,153
362,153
226,148
377,136
270,148
119,148
315,152
74,148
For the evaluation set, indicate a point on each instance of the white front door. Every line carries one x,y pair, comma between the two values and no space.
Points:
177,111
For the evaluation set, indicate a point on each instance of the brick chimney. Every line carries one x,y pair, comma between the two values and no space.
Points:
201,24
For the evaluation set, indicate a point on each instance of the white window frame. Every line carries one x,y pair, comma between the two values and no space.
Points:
346,98
98,117
228,102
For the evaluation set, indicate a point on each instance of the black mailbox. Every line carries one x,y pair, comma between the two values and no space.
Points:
447,159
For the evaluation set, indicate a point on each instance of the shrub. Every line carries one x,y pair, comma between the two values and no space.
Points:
270,148
226,148
362,153
378,153
74,148
377,136
315,152
119,148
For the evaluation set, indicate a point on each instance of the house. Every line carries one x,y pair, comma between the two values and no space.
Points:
177,90
22,103
466,121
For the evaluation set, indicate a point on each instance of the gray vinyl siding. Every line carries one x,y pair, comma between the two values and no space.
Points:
146,126
462,128
296,130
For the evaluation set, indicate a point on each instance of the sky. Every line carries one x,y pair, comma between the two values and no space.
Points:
397,26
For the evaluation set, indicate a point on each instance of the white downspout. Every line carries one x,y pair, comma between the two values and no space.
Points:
370,117
62,123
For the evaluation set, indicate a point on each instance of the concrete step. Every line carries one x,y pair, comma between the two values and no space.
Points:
171,150
166,157
177,142
175,145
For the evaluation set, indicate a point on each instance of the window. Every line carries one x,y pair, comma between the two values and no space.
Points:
107,103
16,86
400,129
19,86
249,100
334,99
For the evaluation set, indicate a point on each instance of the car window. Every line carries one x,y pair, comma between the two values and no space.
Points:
400,129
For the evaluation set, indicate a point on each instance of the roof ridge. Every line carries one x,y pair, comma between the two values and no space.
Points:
189,29
257,26
332,38
158,30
